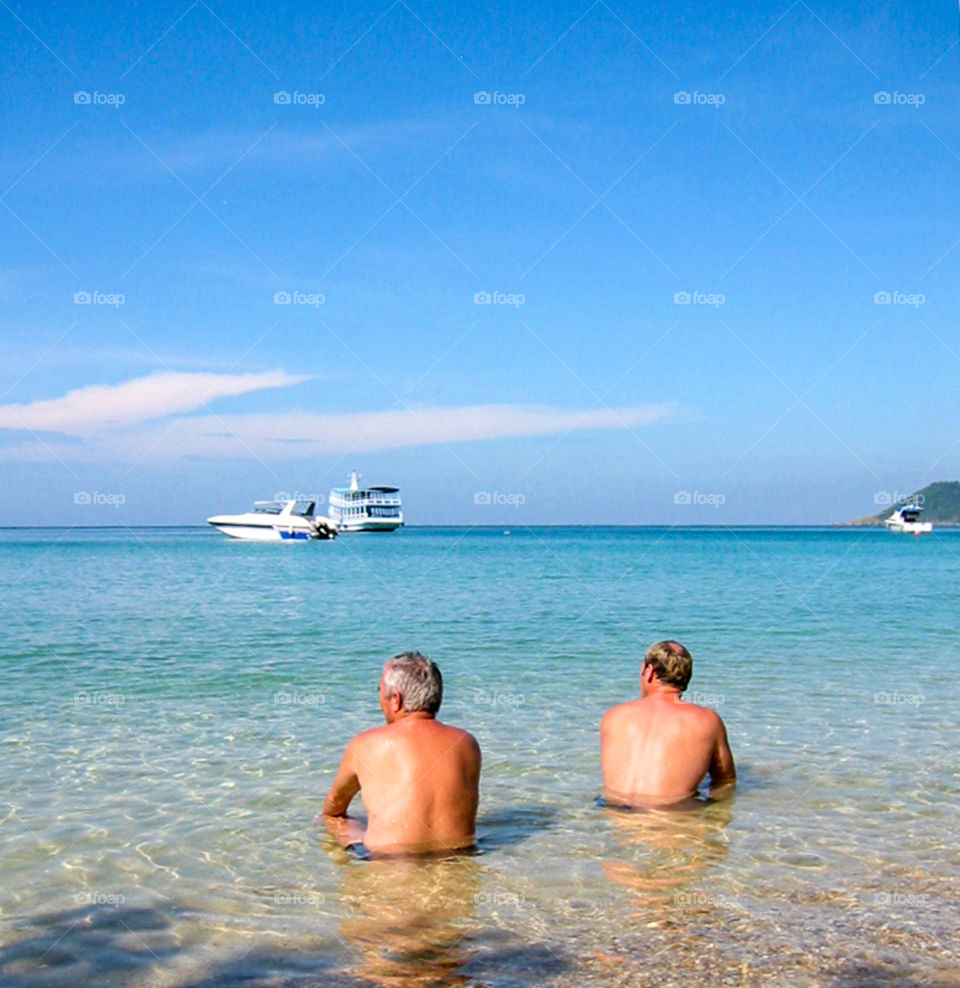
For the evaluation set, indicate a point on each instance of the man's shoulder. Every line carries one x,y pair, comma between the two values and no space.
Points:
706,716
628,706
373,736
458,734
620,712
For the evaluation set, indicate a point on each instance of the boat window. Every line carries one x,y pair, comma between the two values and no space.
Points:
303,508
267,508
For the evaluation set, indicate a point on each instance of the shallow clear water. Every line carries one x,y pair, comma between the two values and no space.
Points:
175,704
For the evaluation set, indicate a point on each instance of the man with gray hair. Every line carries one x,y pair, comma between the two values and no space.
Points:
420,779
657,750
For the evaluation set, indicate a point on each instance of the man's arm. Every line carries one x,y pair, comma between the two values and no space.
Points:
723,773
345,786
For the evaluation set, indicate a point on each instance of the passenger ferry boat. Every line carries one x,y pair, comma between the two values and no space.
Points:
277,521
906,521
365,509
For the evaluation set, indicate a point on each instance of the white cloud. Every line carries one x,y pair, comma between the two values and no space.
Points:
97,406
307,434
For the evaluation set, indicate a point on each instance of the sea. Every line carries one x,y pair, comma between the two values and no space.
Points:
175,704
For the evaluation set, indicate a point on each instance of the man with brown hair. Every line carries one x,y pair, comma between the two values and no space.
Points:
420,778
656,750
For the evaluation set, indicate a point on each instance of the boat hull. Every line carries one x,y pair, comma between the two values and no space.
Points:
261,533
371,525
910,528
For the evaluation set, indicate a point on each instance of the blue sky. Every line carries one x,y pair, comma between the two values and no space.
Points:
595,254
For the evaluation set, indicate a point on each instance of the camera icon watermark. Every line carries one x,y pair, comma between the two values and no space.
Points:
84,98
499,497
92,897
99,499
98,698
699,498
296,98
910,900
516,299
315,299
887,498
114,299
499,699
704,899
895,699
714,299
884,98
299,899
499,897
683,98
294,698
914,299
298,496
496,98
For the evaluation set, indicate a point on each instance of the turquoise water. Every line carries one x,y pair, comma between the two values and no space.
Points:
175,704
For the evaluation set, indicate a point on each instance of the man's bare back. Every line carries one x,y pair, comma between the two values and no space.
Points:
656,750
419,779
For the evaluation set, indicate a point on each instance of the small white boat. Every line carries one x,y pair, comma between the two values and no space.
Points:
906,521
277,521
368,509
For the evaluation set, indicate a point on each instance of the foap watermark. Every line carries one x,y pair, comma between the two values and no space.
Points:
498,897
98,698
699,497
700,899
883,98
705,699
114,299
316,299
94,897
914,299
499,699
299,899
910,900
294,698
99,499
83,98
499,497
895,497
894,698
682,98
516,299
296,98
298,496
715,299
482,98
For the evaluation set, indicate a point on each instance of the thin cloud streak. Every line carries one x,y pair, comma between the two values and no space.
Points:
284,436
94,407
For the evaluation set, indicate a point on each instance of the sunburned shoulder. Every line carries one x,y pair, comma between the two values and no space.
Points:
622,709
706,716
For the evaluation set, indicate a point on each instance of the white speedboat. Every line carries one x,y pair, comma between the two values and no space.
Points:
277,521
906,521
365,509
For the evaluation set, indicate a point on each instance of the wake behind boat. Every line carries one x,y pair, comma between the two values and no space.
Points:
277,521
906,521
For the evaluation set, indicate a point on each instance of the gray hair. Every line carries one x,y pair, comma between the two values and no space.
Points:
416,679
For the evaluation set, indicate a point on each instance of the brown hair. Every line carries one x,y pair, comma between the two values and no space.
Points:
671,663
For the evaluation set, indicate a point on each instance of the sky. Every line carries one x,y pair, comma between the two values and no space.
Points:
576,263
